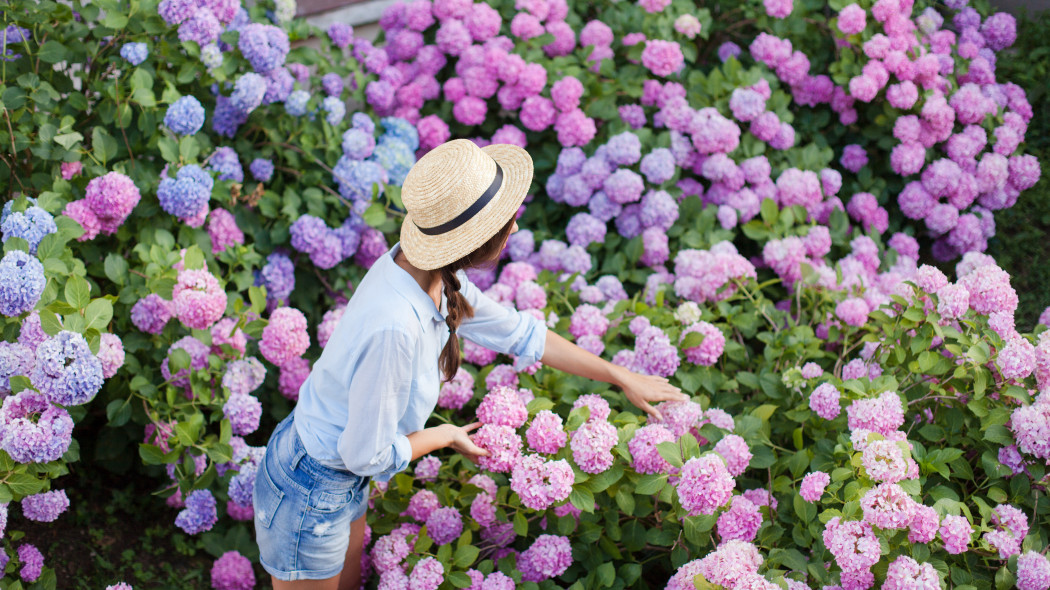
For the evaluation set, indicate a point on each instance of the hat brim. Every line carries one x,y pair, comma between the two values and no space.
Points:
428,252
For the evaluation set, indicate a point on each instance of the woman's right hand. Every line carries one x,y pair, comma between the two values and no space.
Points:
460,441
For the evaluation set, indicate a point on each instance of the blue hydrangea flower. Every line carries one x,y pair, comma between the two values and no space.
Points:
658,166
46,506
31,225
199,515
244,376
187,193
13,35
66,371
185,116
264,46
332,84
211,56
135,53
227,117
335,108
279,84
240,487
15,359
395,157
21,283
224,162
349,238
307,233
358,144
33,429
243,411
624,149
363,122
278,276
402,130
261,169
248,92
295,105
357,177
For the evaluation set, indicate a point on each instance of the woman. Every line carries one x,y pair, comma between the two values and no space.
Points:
362,410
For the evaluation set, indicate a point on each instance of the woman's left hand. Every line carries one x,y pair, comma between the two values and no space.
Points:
643,390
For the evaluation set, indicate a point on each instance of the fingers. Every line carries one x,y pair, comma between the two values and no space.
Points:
472,449
648,409
471,426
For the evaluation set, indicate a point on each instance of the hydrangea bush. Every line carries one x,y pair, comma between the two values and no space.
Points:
745,198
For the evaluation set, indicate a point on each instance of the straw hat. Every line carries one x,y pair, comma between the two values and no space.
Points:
458,196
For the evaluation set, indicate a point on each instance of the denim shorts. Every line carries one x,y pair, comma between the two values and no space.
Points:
303,509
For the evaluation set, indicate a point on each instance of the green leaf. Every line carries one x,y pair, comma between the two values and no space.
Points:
77,292
459,579
115,20
98,314
23,484
68,140
169,150
194,258
606,574
770,212
20,383
375,215
117,412
692,339
116,268
465,556
650,484
151,454
670,452
53,52
582,498
103,146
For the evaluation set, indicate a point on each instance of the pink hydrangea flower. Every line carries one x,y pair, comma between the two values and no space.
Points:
741,522
198,299
710,349
813,485
825,401
705,484
503,407
663,58
955,531
643,448
503,445
540,483
592,445
736,453
545,434
887,506
285,337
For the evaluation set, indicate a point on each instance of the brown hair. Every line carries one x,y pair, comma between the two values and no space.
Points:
458,307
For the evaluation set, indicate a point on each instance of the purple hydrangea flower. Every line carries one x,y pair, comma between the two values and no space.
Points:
261,169
135,53
186,194
199,515
32,430
46,506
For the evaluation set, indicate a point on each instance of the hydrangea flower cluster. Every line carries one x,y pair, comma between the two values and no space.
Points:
107,203
285,337
540,483
705,484
31,225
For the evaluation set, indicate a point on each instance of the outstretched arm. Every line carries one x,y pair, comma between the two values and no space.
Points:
640,390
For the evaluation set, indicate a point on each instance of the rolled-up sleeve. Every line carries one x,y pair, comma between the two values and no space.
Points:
378,395
502,329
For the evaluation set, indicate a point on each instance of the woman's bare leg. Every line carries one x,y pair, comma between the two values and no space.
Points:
351,577
328,584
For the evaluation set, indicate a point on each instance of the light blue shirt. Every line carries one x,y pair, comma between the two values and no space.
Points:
378,377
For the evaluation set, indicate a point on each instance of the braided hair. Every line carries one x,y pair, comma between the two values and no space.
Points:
459,308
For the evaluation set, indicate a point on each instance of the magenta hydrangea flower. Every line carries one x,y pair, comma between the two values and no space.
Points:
708,351
813,485
599,408
232,571
421,505
852,19
503,445
592,445
1033,572
32,562
456,393
45,506
223,230
539,483
545,434
502,407
955,531
1011,527
284,337
427,575
292,376
643,448
199,301
548,557
444,525
883,414
853,543
741,522
736,453
705,484
824,401
924,523
887,506
111,198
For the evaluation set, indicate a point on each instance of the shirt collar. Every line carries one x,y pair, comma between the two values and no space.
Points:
407,286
